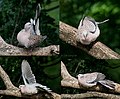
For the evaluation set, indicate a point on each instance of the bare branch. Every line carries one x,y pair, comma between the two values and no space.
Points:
7,49
89,95
70,81
11,90
97,49
6,79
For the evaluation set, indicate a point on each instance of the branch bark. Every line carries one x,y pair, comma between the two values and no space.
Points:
88,95
70,81
11,90
96,49
7,49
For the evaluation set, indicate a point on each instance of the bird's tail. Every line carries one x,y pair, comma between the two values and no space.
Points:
102,21
46,90
108,83
43,88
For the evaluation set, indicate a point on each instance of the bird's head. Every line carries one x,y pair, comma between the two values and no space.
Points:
22,88
80,75
27,26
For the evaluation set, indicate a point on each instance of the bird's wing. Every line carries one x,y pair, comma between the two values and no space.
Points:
90,77
95,77
100,76
90,24
36,20
27,73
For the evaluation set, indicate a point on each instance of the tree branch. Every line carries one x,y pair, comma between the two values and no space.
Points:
7,49
70,81
96,49
11,90
88,95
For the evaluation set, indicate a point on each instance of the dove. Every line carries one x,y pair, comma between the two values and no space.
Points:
30,36
91,79
30,87
88,30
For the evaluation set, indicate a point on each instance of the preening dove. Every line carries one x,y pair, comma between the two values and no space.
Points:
91,79
30,87
30,36
88,30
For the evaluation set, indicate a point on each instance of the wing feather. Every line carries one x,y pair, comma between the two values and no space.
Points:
27,72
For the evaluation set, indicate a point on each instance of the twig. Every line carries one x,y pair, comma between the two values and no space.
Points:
10,88
7,49
68,80
97,49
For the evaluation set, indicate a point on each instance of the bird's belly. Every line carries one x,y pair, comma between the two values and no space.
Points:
23,39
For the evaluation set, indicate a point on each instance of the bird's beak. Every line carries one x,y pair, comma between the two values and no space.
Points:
85,34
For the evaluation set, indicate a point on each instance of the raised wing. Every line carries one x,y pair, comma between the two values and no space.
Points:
36,20
27,73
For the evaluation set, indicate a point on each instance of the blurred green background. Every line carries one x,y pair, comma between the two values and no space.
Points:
45,69
15,13
71,12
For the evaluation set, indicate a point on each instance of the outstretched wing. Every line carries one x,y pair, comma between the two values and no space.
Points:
27,73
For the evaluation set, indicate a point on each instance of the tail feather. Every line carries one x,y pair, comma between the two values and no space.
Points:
107,83
102,21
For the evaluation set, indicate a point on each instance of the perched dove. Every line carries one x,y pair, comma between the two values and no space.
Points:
88,30
91,79
30,87
30,36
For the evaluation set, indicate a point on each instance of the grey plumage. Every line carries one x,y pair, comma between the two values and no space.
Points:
88,30
91,79
30,36
30,87
27,73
